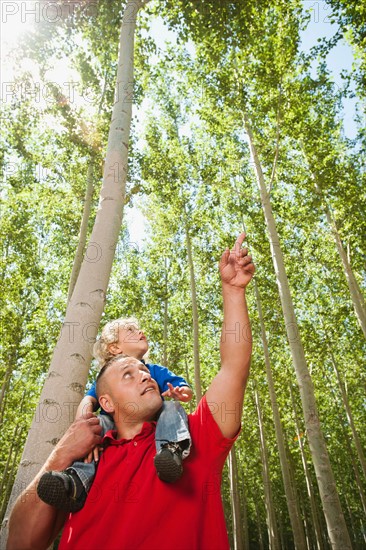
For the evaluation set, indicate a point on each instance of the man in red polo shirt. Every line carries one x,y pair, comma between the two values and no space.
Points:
129,507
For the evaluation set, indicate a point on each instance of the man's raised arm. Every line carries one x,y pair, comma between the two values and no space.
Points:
226,392
33,525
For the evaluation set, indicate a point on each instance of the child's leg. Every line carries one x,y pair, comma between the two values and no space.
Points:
69,489
86,471
172,427
172,440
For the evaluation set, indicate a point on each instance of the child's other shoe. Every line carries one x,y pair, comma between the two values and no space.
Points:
63,490
168,462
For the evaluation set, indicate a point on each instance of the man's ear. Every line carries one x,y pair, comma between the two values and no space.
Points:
114,349
106,403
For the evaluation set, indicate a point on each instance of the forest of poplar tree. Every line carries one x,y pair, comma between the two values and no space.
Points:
231,125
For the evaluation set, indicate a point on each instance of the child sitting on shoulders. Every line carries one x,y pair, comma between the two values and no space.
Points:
69,489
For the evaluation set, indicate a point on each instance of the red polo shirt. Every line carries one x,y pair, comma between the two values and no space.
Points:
129,508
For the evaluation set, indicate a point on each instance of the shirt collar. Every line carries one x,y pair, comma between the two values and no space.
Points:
110,437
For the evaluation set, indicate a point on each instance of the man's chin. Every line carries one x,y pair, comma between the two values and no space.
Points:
153,413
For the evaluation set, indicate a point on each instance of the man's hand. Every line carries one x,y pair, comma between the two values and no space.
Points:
84,410
236,267
180,393
33,523
79,440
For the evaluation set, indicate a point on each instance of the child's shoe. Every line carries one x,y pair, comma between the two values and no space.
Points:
168,462
63,490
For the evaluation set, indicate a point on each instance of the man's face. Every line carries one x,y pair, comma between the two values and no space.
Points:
131,341
134,395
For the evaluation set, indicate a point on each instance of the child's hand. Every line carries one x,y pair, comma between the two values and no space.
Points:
180,393
85,407
94,454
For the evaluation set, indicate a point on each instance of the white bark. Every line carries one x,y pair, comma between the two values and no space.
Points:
64,385
309,485
273,537
259,525
290,489
83,230
357,298
245,533
166,299
347,407
196,343
336,524
235,501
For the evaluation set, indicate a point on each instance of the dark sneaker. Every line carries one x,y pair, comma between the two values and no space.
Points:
168,462
63,490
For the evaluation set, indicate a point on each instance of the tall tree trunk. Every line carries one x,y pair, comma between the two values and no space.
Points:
78,259
309,485
308,533
244,516
235,501
196,342
350,451
191,408
259,524
4,388
356,439
347,407
290,490
354,288
6,476
273,537
361,492
336,524
83,231
68,371
165,328
16,445
11,359
10,477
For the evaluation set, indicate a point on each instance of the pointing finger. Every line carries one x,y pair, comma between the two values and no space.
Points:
239,241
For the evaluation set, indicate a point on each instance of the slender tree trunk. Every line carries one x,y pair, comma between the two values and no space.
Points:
11,359
245,516
290,490
259,524
196,343
271,516
4,389
6,476
309,484
191,408
83,229
308,533
288,481
347,407
336,524
363,531
350,452
354,288
68,372
301,504
9,478
165,328
235,501
361,492
83,232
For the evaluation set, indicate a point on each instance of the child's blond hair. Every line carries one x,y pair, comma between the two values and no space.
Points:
109,336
